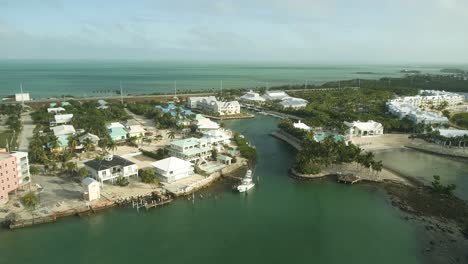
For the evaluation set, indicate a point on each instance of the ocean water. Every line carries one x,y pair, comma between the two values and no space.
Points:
43,79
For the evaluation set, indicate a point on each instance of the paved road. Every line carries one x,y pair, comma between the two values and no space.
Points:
27,132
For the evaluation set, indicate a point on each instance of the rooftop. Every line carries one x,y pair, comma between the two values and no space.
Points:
104,164
171,164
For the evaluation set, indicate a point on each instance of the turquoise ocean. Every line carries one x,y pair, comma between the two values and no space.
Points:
43,79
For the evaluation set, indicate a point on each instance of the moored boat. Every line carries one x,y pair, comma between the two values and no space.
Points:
246,183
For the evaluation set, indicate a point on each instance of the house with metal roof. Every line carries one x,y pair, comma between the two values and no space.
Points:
116,131
191,149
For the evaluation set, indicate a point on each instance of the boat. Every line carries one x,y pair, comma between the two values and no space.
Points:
246,183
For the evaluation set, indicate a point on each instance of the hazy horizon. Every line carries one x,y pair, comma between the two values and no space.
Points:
261,31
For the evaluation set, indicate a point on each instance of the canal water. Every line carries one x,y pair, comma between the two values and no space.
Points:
424,166
279,221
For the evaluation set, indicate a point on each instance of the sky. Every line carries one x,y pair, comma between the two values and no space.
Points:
309,31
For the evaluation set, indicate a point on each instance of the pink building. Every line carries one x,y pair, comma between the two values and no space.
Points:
9,180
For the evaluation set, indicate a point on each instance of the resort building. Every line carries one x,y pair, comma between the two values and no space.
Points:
110,168
8,175
22,163
300,125
275,95
293,102
92,189
190,149
195,102
211,104
61,119
116,131
22,97
252,97
134,129
55,110
173,169
363,129
413,107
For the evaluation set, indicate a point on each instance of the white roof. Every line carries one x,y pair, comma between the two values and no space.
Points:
63,130
135,129
301,125
453,133
115,125
251,96
171,164
369,125
275,95
293,101
207,124
93,138
63,118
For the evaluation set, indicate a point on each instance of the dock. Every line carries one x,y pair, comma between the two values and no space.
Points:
348,179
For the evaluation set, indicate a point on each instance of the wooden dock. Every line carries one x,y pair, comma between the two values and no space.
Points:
348,179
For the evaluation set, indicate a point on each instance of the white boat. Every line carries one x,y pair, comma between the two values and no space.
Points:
247,182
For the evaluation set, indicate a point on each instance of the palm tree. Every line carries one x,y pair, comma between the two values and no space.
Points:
72,143
88,145
54,143
171,134
111,146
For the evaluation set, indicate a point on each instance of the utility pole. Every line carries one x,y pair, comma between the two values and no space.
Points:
221,88
121,93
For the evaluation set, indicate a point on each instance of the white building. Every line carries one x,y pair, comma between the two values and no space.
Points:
62,119
211,104
134,129
191,149
205,124
55,110
22,163
293,102
300,125
22,97
94,139
275,95
173,169
451,133
92,189
63,130
217,137
252,97
193,102
362,129
427,117
110,168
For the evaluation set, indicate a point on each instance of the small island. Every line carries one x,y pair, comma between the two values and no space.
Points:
452,70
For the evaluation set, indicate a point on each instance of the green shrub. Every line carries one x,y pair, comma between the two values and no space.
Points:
121,181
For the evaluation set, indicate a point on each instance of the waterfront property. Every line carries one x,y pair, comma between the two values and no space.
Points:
191,149
110,168
252,97
22,162
452,133
217,137
116,131
212,105
173,169
92,189
8,175
300,125
363,129
420,108
205,124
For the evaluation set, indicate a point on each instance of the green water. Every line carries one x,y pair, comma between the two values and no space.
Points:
424,166
279,221
83,78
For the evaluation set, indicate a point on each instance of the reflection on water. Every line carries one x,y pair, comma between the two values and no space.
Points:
424,166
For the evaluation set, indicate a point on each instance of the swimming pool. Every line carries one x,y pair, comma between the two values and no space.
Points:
321,137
